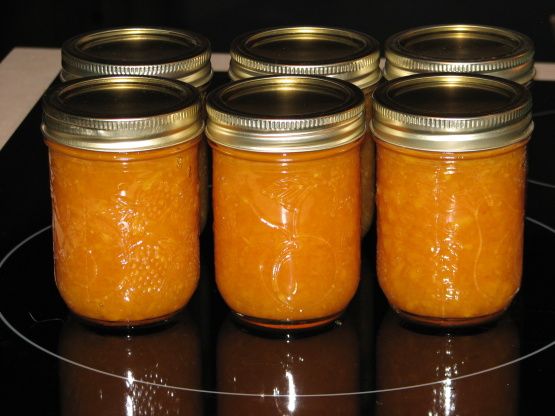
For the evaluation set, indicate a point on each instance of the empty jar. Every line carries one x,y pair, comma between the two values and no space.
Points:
151,51
462,49
124,185
286,197
325,51
451,173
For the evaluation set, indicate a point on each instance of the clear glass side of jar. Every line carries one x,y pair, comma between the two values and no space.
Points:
125,229
450,232
287,233
204,168
367,167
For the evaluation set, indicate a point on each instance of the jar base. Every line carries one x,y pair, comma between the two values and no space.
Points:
434,322
125,326
285,326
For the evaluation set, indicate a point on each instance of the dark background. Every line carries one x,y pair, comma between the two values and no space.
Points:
48,23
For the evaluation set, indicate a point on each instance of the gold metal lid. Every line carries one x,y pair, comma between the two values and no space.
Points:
150,51
451,113
304,50
278,114
485,50
121,114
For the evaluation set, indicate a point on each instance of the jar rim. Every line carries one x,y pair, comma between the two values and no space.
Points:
307,50
449,112
285,114
460,48
145,50
121,114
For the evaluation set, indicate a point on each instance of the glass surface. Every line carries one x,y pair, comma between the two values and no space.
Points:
367,362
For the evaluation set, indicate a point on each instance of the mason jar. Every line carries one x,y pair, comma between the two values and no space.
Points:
286,197
146,51
451,173
323,51
462,49
124,186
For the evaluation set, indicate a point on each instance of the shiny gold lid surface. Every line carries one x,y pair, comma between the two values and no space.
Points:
278,114
451,113
303,50
121,114
149,51
461,48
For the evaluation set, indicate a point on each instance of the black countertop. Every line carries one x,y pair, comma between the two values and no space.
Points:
368,362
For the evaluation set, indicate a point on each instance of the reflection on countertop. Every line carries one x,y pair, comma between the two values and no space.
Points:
323,363
410,356
165,356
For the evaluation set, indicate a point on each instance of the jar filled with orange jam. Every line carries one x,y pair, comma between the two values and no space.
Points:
451,173
286,197
462,49
146,51
124,186
322,51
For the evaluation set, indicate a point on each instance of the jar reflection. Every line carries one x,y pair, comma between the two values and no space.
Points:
169,356
407,357
321,363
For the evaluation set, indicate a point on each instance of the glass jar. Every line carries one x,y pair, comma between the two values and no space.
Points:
124,185
152,51
463,49
286,197
323,51
451,169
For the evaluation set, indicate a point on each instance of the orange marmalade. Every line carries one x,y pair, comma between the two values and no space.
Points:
154,51
284,244
286,197
450,195
124,196
450,230
323,51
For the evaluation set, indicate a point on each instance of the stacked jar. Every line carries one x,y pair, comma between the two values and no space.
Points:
451,176
124,183
286,197
317,51
451,168
146,51
461,49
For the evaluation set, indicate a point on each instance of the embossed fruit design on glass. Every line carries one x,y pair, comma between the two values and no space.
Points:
451,164
154,51
286,153
323,51
124,185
